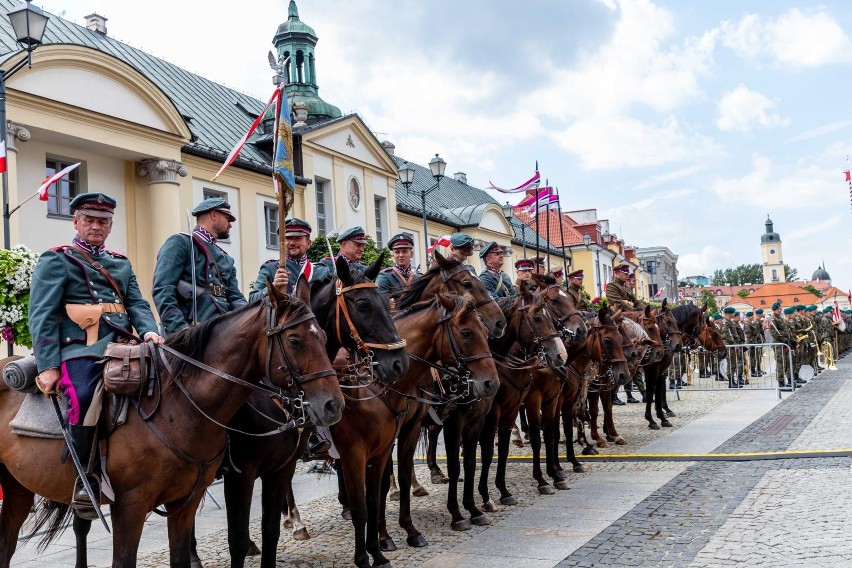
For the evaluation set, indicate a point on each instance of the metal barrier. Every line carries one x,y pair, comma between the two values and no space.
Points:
747,366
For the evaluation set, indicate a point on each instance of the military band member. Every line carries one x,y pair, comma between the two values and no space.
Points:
392,281
619,295
461,248
781,333
216,286
72,287
754,335
297,241
576,292
730,334
497,282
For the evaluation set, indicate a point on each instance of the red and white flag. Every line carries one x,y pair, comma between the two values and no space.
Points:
2,157
442,242
659,293
50,180
542,193
848,173
531,183
835,312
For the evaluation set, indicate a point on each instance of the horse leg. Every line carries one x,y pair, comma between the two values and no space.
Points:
470,437
354,469
17,504
81,534
432,433
128,519
486,443
504,433
661,400
238,488
181,528
374,496
273,496
451,444
417,488
407,445
534,418
294,519
386,543
609,424
551,426
594,411
342,491
651,380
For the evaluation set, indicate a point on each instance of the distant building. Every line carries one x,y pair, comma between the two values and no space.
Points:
661,265
773,262
698,280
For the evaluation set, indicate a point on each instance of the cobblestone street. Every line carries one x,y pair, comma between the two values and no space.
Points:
778,512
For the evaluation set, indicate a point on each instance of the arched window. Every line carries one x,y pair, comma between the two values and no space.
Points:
300,66
289,65
312,72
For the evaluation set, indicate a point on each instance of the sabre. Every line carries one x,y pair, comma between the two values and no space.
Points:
194,313
77,465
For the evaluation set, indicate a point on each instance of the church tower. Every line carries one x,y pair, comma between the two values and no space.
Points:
297,40
773,262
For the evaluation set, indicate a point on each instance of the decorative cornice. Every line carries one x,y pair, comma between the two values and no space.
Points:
161,171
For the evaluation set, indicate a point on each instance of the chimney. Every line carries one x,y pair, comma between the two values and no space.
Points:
388,146
460,176
96,23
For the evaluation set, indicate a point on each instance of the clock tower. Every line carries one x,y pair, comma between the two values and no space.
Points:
773,262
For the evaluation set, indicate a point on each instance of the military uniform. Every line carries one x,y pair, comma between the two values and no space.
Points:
497,282
781,333
731,336
394,280
620,296
575,292
355,234
754,335
524,265
294,269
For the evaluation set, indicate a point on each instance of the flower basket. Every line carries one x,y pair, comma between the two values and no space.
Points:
16,271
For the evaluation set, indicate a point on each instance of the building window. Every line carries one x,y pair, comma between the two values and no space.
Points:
774,275
60,194
380,222
270,213
324,206
214,193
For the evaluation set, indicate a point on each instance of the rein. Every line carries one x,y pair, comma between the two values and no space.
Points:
340,308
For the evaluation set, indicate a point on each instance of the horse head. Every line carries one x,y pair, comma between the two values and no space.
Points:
534,326
357,317
466,344
604,346
649,324
569,322
296,359
711,339
669,330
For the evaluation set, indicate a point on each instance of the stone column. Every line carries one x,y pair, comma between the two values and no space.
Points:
166,217
15,132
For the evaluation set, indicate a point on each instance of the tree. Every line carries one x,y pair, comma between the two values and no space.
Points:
738,276
743,293
709,300
319,250
792,273
813,291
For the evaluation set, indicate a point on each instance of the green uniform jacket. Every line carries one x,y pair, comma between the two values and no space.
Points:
498,287
173,266
729,332
825,330
617,294
576,294
329,269
62,276
391,284
781,331
270,267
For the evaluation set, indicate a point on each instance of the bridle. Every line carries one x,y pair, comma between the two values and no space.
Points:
560,322
667,336
606,363
447,275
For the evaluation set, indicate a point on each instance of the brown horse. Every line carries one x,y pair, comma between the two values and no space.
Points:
655,373
277,337
446,330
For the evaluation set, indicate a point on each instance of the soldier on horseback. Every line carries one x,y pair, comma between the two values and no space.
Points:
297,241
619,295
83,297
497,282
392,281
352,242
461,248
575,290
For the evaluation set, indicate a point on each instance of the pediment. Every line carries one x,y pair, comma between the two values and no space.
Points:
351,138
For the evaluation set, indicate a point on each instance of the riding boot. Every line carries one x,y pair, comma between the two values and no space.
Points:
644,400
83,440
317,447
615,400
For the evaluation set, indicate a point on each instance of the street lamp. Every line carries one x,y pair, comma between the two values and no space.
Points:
587,241
406,177
28,23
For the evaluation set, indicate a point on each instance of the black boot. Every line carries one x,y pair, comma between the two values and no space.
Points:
615,400
317,447
83,440
631,398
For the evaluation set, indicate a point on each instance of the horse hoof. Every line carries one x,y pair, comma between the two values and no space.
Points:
602,444
670,414
580,469
562,485
589,451
546,490
301,534
438,478
419,492
387,545
393,495
510,500
654,426
480,520
462,525
489,507
560,474
196,563
346,514
620,441
383,563
287,524
418,541
665,424
252,551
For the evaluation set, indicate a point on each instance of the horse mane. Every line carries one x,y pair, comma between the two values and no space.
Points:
684,313
634,330
414,293
463,304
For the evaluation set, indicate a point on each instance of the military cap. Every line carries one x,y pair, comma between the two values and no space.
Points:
716,316
631,276
297,228
811,308
461,240
789,310
93,204
524,264
401,240
490,247
622,268
355,234
214,204
749,314
800,308
759,311
576,274
729,310
776,305
557,273
826,309
539,260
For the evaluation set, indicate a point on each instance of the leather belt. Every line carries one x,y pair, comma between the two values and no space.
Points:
113,308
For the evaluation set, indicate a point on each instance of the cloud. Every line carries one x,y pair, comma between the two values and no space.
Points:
796,38
704,262
798,186
675,175
814,230
821,130
743,108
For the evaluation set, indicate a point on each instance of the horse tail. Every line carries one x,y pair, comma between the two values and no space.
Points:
54,518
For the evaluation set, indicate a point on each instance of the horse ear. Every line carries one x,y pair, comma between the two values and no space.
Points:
665,304
647,311
303,290
276,298
343,271
446,301
525,291
373,270
442,261
603,315
616,315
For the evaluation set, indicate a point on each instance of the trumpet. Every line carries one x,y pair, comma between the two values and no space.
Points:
825,356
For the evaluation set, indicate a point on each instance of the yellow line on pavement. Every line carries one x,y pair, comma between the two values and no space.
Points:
788,454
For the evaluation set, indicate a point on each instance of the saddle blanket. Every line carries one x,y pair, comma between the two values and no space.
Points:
37,418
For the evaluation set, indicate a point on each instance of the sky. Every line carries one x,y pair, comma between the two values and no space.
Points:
683,123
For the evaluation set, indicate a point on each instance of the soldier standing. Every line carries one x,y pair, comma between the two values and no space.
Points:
497,282
297,241
394,280
576,292
215,289
781,333
82,297
730,334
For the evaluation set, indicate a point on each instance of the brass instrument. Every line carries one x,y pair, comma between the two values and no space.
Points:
825,356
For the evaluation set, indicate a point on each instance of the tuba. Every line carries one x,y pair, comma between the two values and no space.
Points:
825,356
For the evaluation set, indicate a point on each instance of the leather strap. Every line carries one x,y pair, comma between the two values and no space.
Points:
100,268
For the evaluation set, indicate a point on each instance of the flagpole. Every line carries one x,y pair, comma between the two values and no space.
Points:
537,234
548,234
561,233
21,204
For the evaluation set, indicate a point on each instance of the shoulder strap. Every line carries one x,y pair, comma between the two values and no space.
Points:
207,254
100,268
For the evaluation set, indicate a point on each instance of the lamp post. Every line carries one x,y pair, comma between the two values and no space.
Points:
587,242
28,23
406,176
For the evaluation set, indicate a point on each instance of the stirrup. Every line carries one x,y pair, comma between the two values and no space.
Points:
80,501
